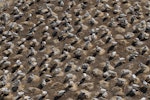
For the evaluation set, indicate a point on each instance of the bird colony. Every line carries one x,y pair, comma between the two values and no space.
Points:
75,50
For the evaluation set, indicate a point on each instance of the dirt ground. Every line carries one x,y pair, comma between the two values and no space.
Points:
56,83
